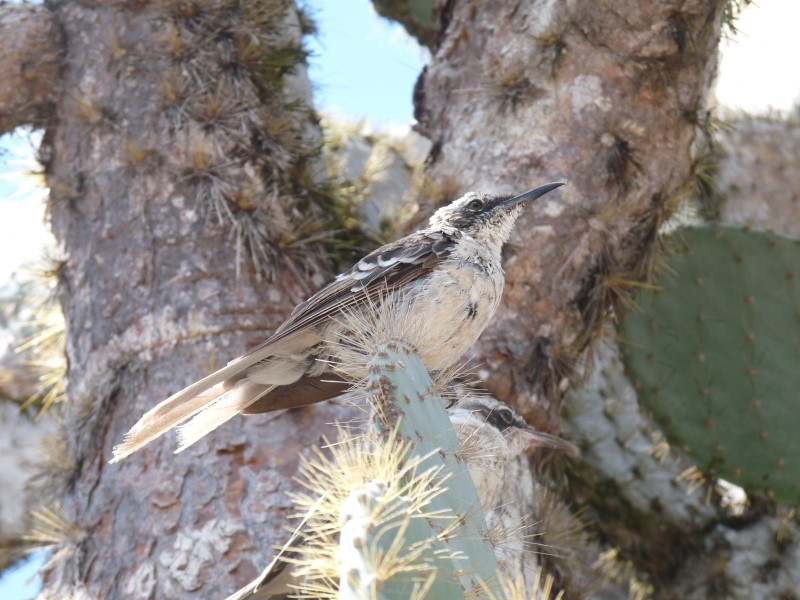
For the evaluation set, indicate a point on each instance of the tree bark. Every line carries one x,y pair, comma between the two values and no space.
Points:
605,96
609,97
30,59
184,185
755,174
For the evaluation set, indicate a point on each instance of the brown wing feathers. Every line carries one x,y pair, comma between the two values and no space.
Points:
223,394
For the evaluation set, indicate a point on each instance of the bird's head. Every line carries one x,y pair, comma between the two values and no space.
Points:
495,416
486,217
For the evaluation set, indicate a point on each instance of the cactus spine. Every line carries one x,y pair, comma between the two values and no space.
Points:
405,408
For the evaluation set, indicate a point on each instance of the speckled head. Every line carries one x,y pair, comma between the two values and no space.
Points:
481,215
519,435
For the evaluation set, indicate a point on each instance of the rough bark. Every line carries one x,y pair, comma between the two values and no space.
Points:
604,96
756,174
182,172
607,96
643,500
30,59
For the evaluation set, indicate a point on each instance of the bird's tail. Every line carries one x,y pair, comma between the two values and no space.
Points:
220,410
209,403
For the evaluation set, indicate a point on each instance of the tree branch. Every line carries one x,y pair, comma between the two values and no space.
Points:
30,63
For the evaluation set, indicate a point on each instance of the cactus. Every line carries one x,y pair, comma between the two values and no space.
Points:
714,354
400,387
391,513
388,550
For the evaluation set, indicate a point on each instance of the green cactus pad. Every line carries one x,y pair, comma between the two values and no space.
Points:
388,550
401,398
715,355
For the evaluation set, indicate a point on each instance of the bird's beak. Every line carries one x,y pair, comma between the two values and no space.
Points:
531,195
534,437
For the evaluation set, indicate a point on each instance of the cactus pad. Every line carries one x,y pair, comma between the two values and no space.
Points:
388,550
400,390
715,354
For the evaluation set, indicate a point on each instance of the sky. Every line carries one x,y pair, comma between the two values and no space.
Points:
759,65
365,67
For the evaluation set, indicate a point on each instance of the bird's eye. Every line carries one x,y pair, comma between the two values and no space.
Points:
475,206
506,416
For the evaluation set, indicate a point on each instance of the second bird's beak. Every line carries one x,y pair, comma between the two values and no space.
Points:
534,437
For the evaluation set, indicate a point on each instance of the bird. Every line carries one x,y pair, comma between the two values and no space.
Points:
490,433
442,283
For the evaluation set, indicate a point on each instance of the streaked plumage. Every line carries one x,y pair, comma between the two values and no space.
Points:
444,282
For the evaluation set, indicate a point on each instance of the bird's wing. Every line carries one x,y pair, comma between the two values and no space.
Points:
276,582
375,275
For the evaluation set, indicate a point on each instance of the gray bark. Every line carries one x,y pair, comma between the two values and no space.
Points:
183,176
30,59
609,97
756,176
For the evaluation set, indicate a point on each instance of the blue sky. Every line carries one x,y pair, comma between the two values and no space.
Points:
363,65
366,67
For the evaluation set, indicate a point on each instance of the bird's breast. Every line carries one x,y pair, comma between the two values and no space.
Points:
439,314
451,309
